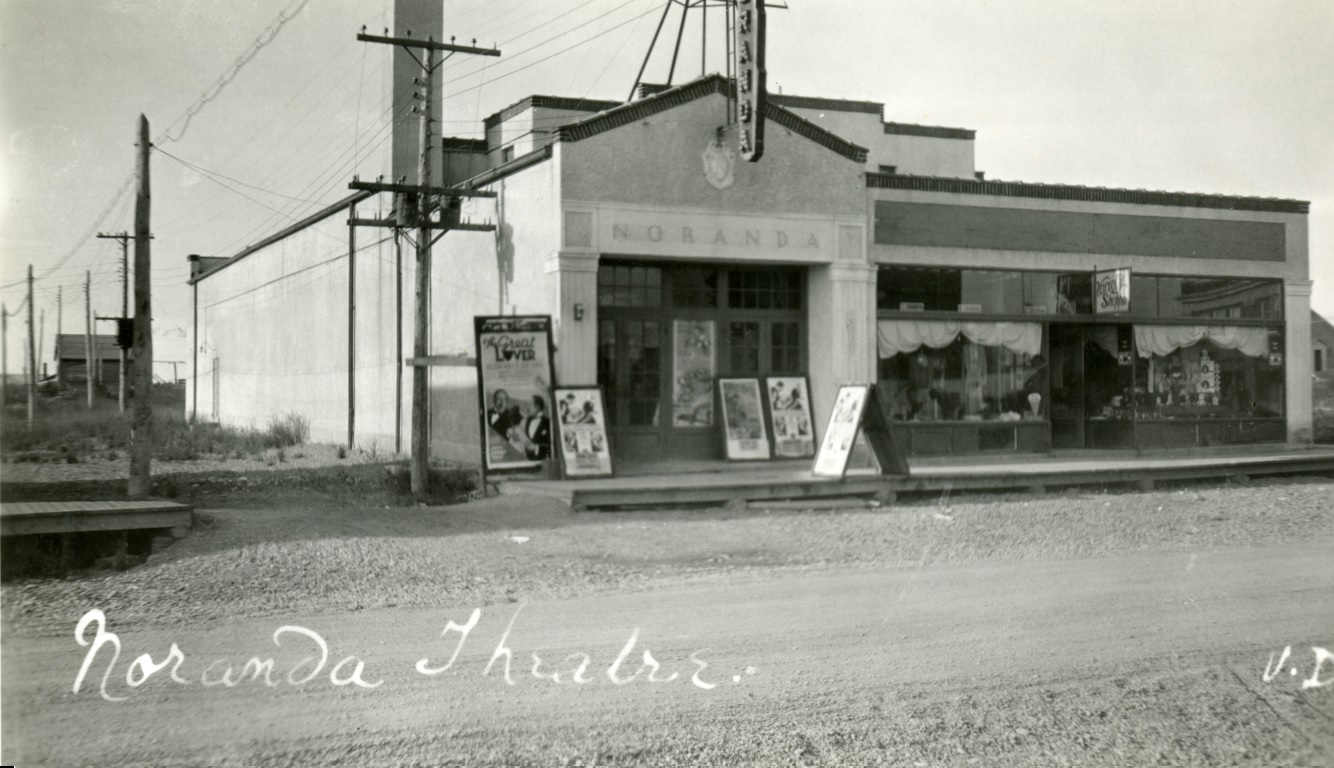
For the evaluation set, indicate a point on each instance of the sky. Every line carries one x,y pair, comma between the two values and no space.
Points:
1218,96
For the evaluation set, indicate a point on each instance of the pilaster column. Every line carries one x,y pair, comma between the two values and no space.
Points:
576,318
842,331
1297,360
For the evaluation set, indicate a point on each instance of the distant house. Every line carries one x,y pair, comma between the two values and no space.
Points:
1322,343
72,359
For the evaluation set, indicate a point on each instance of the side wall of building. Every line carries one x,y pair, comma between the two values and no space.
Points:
273,335
483,273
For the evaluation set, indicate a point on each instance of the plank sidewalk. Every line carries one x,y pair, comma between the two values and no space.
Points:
794,480
30,517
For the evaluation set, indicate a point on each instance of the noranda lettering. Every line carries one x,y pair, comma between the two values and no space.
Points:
745,238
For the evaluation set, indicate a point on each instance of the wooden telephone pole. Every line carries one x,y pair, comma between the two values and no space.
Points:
4,356
60,326
88,333
32,355
428,199
141,424
124,238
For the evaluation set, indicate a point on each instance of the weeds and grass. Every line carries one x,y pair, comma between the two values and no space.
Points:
443,485
359,486
66,431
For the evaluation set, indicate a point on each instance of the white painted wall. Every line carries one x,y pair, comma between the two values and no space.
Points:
276,323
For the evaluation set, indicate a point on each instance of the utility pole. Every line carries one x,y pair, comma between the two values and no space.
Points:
4,357
428,199
141,424
88,333
60,324
32,355
41,340
124,239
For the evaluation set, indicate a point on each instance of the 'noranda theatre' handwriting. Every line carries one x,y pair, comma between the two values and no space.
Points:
104,646
1273,670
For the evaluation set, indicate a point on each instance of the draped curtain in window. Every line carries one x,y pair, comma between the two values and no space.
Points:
1162,340
904,336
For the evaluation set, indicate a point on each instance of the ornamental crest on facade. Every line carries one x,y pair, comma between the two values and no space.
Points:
718,164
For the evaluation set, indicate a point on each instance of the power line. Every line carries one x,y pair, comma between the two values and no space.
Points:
553,38
554,55
207,172
213,91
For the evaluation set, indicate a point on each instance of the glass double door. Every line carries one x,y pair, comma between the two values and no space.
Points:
1090,378
664,341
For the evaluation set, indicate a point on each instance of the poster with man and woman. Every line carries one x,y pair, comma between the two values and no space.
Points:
514,371
582,424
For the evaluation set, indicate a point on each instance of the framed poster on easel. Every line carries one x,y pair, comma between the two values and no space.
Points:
581,432
744,435
789,400
844,421
514,374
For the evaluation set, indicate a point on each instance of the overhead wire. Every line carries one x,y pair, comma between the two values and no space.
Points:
332,173
261,42
214,91
289,211
555,37
554,55
209,173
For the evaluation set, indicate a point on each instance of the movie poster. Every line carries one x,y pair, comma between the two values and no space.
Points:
839,436
790,414
693,369
743,419
582,422
514,380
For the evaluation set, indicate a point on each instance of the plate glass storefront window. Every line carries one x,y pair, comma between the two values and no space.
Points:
963,381
1207,380
1219,298
943,289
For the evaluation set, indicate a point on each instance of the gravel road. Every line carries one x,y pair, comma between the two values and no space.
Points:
254,563
1010,571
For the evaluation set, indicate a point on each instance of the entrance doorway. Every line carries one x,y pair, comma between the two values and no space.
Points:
1091,375
666,333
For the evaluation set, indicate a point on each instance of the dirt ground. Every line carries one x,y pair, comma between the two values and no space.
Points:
1079,628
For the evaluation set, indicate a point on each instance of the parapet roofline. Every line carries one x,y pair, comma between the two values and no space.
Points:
550,102
633,111
1089,194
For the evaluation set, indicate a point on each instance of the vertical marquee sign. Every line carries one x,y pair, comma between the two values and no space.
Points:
750,78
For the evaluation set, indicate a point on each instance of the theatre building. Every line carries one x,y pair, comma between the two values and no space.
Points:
855,250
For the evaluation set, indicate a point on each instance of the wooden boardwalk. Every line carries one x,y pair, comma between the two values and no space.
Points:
737,483
29,517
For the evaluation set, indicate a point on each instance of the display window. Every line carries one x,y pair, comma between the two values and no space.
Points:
1197,372
946,371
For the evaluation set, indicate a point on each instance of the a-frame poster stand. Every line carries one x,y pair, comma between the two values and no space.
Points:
856,410
875,426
